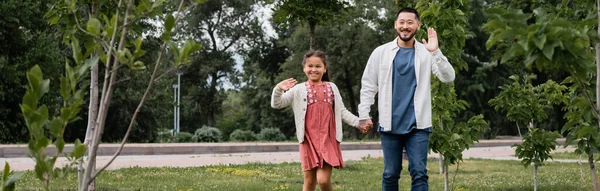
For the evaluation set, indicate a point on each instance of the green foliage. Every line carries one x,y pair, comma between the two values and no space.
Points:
450,136
9,181
559,38
183,137
261,69
182,55
240,135
165,136
207,134
223,28
536,147
37,118
27,40
311,11
582,125
235,113
452,140
552,42
523,102
271,134
449,18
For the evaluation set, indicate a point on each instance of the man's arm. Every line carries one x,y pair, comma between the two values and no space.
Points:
441,68
369,86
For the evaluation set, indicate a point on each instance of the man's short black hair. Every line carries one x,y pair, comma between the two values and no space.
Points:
408,10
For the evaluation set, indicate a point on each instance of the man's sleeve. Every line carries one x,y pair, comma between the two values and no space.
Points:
441,68
369,86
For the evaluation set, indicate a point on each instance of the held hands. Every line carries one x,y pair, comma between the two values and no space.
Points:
432,45
285,85
365,125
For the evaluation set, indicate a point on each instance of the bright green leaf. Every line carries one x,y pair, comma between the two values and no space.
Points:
169,23
9,185
549,52
197,2
76,50
166,36
60,144
540,41
94,26
78,149
138,65
56,126
6,171
138,43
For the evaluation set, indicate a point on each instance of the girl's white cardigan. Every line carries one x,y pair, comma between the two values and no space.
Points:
296,96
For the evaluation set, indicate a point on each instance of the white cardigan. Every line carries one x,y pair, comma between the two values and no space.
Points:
377,77
296,96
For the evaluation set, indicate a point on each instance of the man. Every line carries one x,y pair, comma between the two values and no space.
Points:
400,72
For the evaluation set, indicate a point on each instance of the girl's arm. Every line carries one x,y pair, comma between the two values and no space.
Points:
347,116
281,98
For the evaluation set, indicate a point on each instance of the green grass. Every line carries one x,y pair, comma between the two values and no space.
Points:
570,156
489,175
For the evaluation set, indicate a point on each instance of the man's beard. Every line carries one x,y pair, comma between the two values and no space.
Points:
408,38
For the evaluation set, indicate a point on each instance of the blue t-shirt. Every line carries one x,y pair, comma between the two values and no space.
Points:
404,85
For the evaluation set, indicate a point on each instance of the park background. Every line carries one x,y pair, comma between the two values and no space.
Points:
524,68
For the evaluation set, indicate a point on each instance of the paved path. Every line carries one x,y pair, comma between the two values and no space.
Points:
187,160
10,151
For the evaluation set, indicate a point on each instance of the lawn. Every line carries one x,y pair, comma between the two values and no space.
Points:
571,156
361,175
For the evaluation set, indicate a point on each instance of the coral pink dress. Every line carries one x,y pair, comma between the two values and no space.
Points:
320,145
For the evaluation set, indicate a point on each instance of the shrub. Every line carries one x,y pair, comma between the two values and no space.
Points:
183,137
207,134
242,135
271,134
165,136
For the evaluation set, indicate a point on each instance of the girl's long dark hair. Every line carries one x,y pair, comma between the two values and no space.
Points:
320,54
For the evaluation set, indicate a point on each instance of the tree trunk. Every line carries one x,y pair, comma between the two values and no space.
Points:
311,32
108,88
445,177
594,174
92,114
535,169
210,116
581,169
531,125
441,160
519,130
591,157
441,156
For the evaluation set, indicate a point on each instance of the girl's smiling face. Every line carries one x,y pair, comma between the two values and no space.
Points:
314,68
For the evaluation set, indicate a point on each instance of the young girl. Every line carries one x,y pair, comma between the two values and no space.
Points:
318,112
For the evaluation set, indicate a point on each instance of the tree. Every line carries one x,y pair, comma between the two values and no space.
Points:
27,40
479,81
313,12
103,26
261,67
535,149
524,104
558,37
450,137
221,26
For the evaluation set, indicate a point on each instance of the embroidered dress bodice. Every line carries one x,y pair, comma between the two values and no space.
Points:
314,95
